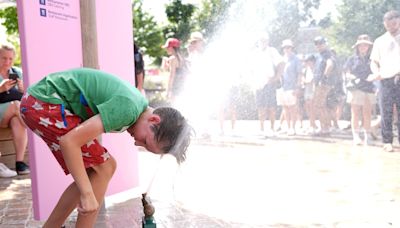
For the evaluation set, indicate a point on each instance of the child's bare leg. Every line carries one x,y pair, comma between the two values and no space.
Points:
67,203
99,177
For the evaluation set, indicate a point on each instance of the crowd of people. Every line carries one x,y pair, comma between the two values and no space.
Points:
290,86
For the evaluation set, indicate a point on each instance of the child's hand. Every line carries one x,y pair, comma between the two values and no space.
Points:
88,204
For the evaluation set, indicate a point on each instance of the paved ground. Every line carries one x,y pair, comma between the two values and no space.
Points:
242,179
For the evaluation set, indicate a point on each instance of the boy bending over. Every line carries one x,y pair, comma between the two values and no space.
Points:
70,109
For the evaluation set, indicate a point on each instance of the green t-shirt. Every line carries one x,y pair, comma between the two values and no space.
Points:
118,103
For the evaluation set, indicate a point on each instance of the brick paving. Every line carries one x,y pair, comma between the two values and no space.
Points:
242,179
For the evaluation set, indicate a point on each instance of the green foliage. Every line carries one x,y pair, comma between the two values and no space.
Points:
211,15
359,17
179,16
10,22
147,34
290,14
9,15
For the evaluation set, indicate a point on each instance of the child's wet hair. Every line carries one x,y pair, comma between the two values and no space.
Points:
173,132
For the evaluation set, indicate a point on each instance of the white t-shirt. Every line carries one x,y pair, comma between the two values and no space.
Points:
263,66
386,51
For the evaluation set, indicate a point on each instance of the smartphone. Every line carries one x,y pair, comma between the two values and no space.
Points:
13,76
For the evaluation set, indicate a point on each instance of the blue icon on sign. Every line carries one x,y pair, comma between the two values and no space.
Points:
42,2
43,12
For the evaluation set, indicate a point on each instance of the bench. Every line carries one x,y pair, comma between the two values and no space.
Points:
7,149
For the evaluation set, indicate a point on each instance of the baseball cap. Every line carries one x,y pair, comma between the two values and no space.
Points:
172,42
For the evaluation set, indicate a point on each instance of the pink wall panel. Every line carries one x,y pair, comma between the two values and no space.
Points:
115,41
51,41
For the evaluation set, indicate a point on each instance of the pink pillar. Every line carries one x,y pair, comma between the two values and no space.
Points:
51,41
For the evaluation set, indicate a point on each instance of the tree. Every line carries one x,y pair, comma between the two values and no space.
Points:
211,15
290,14
9,15
179,17
10,22
147,34
359,17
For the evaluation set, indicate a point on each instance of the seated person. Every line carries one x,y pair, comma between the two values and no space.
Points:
9,111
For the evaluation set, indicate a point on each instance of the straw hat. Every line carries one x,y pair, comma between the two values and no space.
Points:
196,36
363,39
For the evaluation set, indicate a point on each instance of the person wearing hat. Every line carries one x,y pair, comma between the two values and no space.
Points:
266,72
196,43
309,87
290,85
360,92
325,77
385,59
176,66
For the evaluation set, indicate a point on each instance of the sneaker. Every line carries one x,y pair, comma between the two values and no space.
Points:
22,168
357,140
291,132
311,131
269,133
6,172
387,147
322,134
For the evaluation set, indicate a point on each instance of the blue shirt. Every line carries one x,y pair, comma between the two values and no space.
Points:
293,68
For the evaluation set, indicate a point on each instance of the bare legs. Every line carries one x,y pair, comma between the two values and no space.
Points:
221,117
13,120
99,177
321,110
262,113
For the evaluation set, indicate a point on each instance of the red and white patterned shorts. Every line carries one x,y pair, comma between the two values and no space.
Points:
50,122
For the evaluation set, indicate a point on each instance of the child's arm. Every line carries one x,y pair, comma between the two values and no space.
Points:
71,144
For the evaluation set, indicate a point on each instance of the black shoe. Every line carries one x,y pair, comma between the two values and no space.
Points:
22,168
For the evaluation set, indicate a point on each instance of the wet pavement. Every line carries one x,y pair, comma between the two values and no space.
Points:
243,179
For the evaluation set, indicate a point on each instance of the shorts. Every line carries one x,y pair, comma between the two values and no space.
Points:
308,91
285,97
320,96
266,97
50,122
335,97
358,97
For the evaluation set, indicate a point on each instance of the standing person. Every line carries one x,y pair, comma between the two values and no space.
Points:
195,47
336,97
385,59
70,109
361,93
291,85
9,110
139,69
268,67
177,67
309,87
228,107
324,77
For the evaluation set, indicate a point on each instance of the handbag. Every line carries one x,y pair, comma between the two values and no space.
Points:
352,84
10,95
